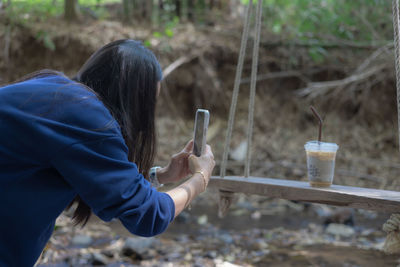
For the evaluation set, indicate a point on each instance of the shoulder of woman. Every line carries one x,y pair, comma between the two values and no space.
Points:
76,105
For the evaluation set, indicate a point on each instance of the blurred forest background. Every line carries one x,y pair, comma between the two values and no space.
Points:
336,55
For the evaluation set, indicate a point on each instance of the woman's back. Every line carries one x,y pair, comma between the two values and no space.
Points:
58,140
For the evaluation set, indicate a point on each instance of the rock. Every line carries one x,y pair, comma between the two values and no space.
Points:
340,230
245,204
368,232
174,255
322,211
371,215
108,253
82,240
61,264
120,263
226,238
198,262
259,253
211,254
182,238
99,259
101,240
183,217
134,247
298,172
260,244
295,205
239,153
188,257
203,219
239,212
227,262
341,216
256,215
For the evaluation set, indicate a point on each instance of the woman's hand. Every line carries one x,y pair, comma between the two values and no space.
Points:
201,167
204,164
178,167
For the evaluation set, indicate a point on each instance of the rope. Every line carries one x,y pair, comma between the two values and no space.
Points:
396,23
236,86
254,69
225,198
392,229
392,226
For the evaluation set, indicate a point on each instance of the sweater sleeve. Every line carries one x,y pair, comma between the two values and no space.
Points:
100,173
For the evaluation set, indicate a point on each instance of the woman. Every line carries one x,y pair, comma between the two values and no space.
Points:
88,139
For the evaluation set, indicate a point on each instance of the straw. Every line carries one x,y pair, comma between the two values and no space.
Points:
318,117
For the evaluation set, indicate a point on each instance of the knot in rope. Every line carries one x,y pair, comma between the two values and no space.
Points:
392,226
392,229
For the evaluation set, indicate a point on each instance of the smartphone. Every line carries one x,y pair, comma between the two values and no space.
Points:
200,131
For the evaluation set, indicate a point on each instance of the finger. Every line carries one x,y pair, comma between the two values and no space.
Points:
182,155
189,147
209,151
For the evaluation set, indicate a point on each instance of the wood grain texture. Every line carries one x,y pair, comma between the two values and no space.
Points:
338,195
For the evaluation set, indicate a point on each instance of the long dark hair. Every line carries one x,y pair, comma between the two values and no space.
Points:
124,74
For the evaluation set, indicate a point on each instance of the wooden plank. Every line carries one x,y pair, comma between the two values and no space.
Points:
338,195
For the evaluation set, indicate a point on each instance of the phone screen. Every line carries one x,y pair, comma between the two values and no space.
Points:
200,131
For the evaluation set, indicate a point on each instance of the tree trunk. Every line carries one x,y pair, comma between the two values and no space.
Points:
127,10
178,8
220,5
7,45
6,3
211,6
138,9
201,10
159,12
148,10
71,10
190,10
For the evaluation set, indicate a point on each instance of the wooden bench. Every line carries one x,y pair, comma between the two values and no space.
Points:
338,195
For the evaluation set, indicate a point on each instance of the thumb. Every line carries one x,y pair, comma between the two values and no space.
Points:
192,162
192,157
189,147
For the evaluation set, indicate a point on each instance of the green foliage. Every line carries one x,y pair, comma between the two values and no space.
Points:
26,10
41,10
332,21
46,39
101,12
317,53
147,43
157,34
350,20
315,22
169,32
168,29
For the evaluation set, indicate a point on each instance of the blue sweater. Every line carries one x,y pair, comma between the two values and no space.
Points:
58,140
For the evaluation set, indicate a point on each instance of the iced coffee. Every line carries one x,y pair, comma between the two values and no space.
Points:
320,162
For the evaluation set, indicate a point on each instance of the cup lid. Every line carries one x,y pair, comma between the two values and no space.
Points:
321,146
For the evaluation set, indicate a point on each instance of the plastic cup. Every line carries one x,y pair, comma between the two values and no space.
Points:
320,162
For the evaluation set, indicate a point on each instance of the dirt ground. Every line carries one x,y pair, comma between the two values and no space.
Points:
363,124
256,232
